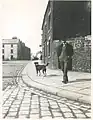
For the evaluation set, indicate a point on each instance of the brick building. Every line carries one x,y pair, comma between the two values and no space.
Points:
73,20
14,49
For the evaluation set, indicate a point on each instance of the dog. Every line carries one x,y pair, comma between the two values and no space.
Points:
40,67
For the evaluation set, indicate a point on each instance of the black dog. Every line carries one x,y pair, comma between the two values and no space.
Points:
40,67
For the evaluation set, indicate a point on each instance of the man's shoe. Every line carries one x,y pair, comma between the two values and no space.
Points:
65,82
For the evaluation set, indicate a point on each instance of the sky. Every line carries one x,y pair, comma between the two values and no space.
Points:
23,19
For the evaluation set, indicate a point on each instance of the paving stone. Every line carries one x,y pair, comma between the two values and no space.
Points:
17,102
53,103
23,116
6,105
47,117
12,113
62,105
34,116
25,105
8,102
56,114
11,99
35,111
23,112
65,109
24,108
34,106
13,96
88,114
3,114
10,117
80,115
89,110
54,106
4,111
27,95
69,104
5,108
27,99
56,110
34,102
77,111
23,102
34,97
44,113
19,97
42,103
14,106
74,107
44,108
12,109
68,114
43,99
83,108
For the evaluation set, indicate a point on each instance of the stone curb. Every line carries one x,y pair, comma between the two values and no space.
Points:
55,91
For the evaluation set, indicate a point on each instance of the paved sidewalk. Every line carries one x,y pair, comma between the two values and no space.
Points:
78,87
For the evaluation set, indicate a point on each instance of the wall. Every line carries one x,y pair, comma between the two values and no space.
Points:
82,55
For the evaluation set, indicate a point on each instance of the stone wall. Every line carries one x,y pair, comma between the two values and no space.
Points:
82,55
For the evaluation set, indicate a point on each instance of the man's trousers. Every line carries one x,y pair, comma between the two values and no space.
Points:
64,68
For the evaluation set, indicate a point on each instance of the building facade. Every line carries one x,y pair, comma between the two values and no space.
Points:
14,49
65,19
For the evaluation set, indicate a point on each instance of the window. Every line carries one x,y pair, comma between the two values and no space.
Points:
11,51
3,51
11,57
3,46
11,45
3,57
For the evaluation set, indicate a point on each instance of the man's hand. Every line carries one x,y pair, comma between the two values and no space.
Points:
68,56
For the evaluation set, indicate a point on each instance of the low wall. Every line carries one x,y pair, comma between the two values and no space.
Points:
82,55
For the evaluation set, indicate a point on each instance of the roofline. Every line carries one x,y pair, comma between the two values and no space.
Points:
45,14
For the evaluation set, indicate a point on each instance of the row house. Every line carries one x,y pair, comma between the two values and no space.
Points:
14,49
71,19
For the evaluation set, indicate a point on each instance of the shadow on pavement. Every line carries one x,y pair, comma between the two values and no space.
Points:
53,75
80,80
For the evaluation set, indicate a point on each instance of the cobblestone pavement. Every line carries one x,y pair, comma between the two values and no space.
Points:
21,101
24,102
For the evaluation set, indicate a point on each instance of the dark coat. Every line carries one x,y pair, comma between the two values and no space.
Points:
69,50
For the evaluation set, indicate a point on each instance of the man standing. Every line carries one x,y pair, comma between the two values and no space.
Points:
64,53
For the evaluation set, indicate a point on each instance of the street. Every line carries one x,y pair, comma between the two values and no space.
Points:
21,101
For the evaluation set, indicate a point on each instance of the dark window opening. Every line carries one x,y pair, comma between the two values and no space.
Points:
3,50
11,57
3,57
11,51
11,45
3,46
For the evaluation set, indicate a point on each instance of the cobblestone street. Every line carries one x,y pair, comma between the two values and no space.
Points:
23,102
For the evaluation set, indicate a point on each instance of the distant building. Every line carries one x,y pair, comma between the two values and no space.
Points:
71,19
14,49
